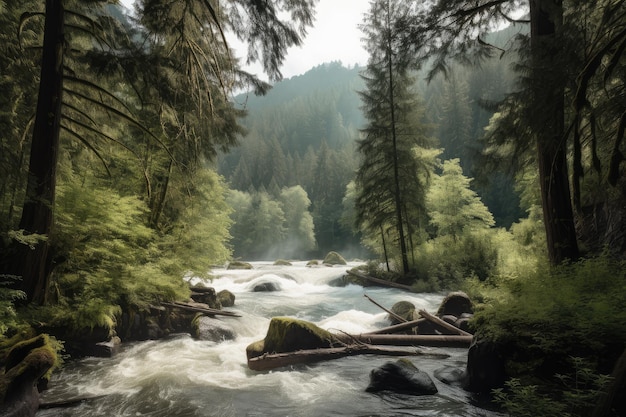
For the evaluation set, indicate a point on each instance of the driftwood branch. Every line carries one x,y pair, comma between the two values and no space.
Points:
380,282
410,340
443,324
391,313
205,310
396,328
276,360
71,402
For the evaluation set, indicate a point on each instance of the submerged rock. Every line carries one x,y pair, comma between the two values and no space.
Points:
401,377
282,262
266,286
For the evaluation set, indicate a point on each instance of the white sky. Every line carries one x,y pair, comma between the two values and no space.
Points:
335,36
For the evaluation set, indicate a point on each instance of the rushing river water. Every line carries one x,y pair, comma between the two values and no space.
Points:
184,377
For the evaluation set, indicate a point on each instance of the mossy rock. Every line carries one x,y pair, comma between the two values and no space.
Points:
27,363
282,262
226,298
333,258
313,262
239,265
286,334
404,309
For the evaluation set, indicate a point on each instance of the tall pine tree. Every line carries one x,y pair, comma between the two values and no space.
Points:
388,179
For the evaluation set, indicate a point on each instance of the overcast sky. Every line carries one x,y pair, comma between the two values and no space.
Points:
334,37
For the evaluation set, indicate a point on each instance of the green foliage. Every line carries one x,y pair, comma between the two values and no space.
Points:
8,296
575,395
264,228
525,401
452,206
574,310
113,259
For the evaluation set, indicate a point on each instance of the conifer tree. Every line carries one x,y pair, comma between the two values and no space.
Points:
205,63
388,177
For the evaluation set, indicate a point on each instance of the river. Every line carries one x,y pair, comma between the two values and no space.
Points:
180,376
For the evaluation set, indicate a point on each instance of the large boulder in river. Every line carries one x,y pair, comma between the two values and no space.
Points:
333,258
401,377
25,365
226,298
286,334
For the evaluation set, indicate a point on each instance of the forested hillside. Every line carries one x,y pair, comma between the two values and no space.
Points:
304,132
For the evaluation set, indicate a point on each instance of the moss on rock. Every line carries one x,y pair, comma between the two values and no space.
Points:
239,265
333,258
286,334
26,363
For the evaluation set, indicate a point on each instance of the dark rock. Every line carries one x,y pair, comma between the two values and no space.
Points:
82,342
404,309
485,366
211,329
226,298
205,295
427,327
266,286
455,303
463,324
107,349
401,377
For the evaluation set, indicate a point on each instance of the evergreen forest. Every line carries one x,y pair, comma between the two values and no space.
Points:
481,148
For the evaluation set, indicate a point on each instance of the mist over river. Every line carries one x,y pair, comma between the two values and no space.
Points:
180,376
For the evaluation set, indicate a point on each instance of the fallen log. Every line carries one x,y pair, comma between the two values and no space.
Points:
391,313
379,281
396,328
72,402
269,361
205,310
457,341
445,325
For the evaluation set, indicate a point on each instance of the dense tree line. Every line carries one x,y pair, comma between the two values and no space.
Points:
109,197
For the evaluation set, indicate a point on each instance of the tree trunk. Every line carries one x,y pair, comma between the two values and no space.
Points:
33,264
396,173
457,341
546,25
276,360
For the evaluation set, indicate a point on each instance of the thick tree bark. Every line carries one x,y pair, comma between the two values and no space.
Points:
32,265
546,21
